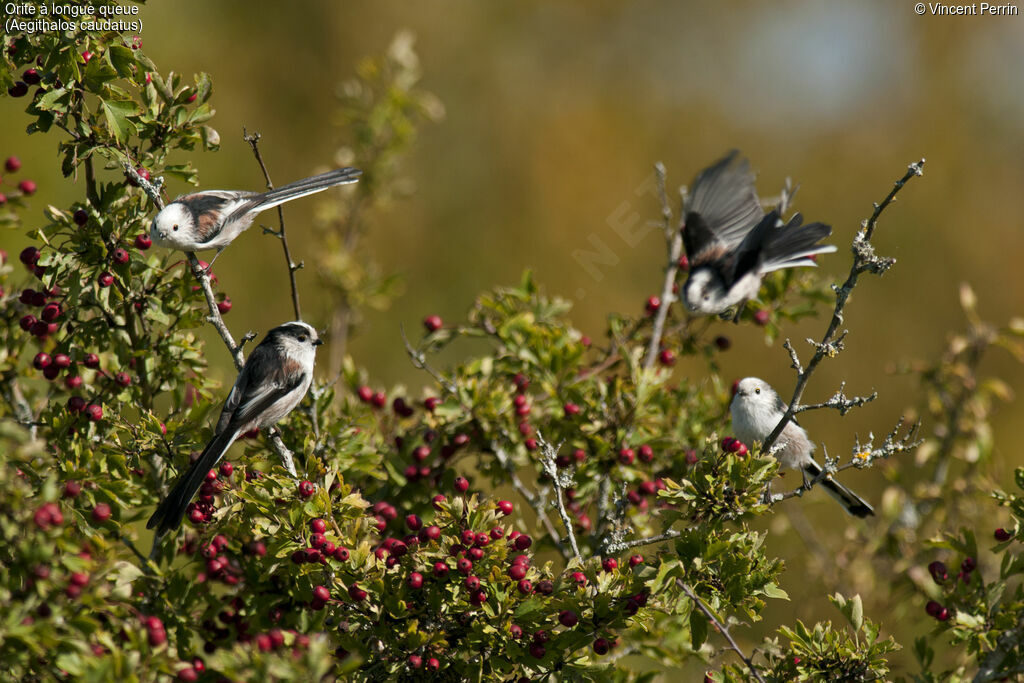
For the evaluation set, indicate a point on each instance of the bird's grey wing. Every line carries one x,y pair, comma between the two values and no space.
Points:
269,379
723,195
209,209
750,252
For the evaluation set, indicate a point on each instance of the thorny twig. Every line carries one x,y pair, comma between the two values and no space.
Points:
863,456
720,627
864,259
254,142
152,190
537,501
674,242
560,482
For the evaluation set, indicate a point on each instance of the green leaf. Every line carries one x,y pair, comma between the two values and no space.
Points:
698,628
117,113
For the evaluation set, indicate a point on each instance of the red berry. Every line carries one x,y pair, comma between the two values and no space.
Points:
365,394
933,608
12,164
413,522
433,323
91,360
42,360
94,412
356,593
580,578
188,675
568,618
431,403
51,312
29,256
464,565
27,186
517,572
341,553
505,507
143,242
123,379
461,484
19,89
522,542
601,646
433,664
968,565
31,76
761,317
440,569
306,488
318,526
226,469
105,279
26,322
626,456
571,409
634,560
652,305
80,217
379,400
437,500
101,512
72,489
415,580
224,305
646,453
722,342
537,650
610,564
1002,535
667,357
430,533
321,593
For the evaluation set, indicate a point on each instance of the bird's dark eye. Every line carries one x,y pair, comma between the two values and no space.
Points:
302,337
175,228
757,390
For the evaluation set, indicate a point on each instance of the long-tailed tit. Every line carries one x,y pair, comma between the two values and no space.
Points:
213,218
756,411
731,243
274,379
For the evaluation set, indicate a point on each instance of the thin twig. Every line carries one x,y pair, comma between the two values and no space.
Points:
419,361
534,500
148,567
254,142
721,629
548,455
674,243
614,548
213,315
864,259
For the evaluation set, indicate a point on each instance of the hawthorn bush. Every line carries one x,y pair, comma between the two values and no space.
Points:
626,544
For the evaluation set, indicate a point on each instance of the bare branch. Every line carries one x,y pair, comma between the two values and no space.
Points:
560,481
720,627
674,242
618,547
864,259
537,501
419,361
254,142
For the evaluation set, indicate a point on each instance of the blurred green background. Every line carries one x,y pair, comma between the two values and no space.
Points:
555,114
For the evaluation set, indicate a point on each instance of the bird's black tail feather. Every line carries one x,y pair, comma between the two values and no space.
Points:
310,185
791,245
854,504
171,510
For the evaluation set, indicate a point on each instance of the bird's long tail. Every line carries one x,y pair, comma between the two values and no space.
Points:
792,245
171,510
311,185
854,504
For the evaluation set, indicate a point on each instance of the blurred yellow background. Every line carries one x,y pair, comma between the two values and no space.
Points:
555,114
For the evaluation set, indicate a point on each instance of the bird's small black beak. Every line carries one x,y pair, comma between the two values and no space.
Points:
318,342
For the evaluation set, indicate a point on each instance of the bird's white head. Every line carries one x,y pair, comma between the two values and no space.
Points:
703,292
173,227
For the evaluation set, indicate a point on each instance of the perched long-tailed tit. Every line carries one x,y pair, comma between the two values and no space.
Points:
213,218
756,410
731,243
273,380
